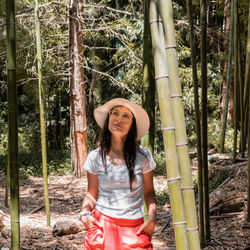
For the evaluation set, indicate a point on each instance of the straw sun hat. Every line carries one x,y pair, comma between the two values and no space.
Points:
141,116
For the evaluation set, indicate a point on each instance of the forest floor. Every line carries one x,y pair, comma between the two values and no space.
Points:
228,205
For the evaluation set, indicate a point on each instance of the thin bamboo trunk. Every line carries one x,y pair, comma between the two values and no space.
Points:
246,79
235,120
42,113
241,89
60,119
204,119
148,88
197,120
248,131
7,184
166,13
166,112
12,124
247,98
229,75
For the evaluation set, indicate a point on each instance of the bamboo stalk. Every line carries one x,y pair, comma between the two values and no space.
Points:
197,120
166,11
42,112
235,116
7,184
203,20
241,89
247,98
148,88
228,80
12,124
166,112
246,80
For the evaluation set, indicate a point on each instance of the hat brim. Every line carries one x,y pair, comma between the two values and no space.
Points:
141,116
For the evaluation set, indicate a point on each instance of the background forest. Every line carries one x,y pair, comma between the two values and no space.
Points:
113,44
113,38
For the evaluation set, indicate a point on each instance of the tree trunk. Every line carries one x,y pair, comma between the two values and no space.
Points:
204,119
148,88
42,113
78,129
228,80
163,91
197,120
12,123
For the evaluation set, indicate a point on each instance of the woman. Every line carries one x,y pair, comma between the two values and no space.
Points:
120,178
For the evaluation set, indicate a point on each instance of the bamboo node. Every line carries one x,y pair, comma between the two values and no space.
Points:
160,77
170,47
15,221
174,179
179,223
187,188
181,144
176,96
168,128
191,229
155,21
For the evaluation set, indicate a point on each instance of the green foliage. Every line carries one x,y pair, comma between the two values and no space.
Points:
30,164
160,161
162,198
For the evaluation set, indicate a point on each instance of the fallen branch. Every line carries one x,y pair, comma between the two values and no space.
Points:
37,209
224,216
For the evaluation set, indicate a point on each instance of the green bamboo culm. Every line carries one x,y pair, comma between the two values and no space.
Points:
235,112
42,112
246,81
12,124
203,21
166,112
228,79
197,120
7,184
246,104
148,88
248,193
166,13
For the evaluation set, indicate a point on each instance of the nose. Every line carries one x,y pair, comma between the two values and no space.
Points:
119,119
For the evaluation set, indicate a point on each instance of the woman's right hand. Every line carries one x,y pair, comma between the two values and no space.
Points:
88,221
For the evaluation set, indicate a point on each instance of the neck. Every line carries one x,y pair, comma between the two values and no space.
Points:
117,144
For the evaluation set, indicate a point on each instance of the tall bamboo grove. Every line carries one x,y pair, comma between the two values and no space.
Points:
42,115
166,13
12,124
168,128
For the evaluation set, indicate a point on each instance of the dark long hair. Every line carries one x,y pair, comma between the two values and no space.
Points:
129,150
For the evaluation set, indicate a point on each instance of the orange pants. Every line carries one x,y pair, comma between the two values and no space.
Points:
116,234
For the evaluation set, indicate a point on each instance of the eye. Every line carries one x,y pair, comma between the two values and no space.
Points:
126,116
115,113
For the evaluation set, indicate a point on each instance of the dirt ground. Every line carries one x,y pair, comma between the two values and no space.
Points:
228,230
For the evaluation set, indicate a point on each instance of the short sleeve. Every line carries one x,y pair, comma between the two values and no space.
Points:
149,163
89,163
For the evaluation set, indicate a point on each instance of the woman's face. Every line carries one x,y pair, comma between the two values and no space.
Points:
120,120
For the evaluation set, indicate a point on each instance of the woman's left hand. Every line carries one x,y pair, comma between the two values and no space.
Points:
147,227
